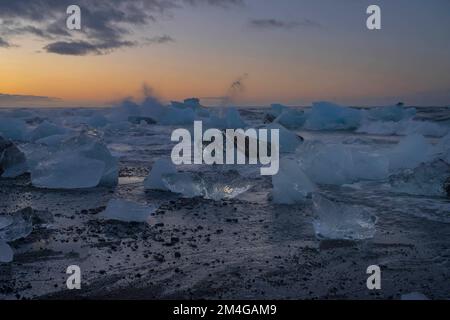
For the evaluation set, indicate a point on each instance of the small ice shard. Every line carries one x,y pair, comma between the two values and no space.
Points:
291,185
191,185
12,161
45,129
68,172
16,226
338,221
329,116
154,180
6,253
414,296
409,153
127,211
429,179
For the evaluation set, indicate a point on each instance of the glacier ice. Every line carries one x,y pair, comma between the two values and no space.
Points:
414,296
154,180
11,128
341,221
174,117
191,185
69,171
410,152
12,161
15,226
6,253
329,116
289,141
403,128
338,164
291,118
127,211
291,185
391,113
79,162
427,179
44,130
227,118
97,121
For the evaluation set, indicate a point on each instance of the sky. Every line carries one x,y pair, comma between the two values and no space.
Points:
293,52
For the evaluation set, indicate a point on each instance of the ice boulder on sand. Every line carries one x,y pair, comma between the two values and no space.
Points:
78,162
329,116
127,211
6,253
428,179
414,296
291,185
12,161
216,187
338,221
154,180
13,227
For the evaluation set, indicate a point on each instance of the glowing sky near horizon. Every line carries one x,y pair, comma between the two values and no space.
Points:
332,57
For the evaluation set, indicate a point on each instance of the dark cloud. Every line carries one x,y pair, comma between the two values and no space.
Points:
8,100
4,43
280,24
82,48
160,40
106,25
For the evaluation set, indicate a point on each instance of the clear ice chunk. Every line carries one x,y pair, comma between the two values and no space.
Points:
341,221
12,161
191,185
16,226
127,211
154,180
429,179
6,253
291,185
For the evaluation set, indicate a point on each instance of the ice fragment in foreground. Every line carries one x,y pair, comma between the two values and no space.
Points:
291,185
191,185
68,172
414,296
342,221
6,253
127,211
154,180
